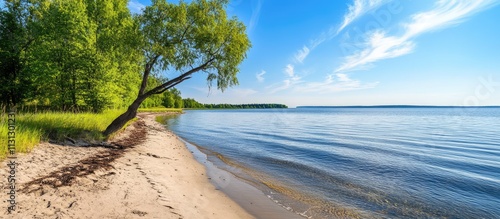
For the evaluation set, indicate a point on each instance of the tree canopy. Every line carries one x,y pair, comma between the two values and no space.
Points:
179,40
15,38
187,38
71,55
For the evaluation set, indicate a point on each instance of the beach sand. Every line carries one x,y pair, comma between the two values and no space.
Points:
156,178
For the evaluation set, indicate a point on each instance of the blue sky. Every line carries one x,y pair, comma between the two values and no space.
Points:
363,52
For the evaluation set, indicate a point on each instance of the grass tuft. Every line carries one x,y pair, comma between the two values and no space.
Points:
33,128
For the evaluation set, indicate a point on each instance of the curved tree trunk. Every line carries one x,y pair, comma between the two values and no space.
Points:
131,112
121,120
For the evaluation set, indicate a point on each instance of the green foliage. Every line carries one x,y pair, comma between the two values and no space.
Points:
189,37
155,100
168,100
163,119
62,57
117,50
160,110
15,38
193,104
172,99
33,128
71,55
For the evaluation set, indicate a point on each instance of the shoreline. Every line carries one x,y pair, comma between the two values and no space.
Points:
157,178
249,197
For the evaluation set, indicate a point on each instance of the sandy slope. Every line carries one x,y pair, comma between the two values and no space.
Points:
157,178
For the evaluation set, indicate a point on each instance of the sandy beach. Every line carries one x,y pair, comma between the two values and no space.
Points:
144,172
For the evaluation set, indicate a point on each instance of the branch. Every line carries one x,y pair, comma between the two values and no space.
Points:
27,44
171,86
178,79
147,71
185,31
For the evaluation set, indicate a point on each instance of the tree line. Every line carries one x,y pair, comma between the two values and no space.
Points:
71,55
190,103
173,99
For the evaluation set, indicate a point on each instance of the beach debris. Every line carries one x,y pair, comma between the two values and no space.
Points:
66,176
70,140
140,213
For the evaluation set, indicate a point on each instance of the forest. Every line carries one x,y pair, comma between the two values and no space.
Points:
69,55
79,56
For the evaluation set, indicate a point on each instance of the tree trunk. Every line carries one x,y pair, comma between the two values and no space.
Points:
121,120
131,112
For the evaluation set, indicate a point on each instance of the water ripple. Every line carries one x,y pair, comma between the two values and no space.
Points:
399,162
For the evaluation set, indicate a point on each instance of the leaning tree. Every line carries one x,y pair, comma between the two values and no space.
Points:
184,39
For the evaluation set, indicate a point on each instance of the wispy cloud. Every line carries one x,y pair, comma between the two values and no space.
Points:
291,80
241,92
135,7
358,9
445,13
335,83
325,36
289,70
379,45
260,76
233,92
342,82
254,19
301,54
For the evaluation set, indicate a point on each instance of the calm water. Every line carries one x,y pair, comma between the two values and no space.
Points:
361,162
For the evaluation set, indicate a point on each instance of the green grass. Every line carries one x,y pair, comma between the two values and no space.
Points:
164,118
33,128
160,109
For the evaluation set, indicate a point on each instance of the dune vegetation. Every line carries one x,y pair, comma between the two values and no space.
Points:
32,128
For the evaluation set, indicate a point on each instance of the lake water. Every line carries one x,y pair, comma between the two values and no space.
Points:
359,162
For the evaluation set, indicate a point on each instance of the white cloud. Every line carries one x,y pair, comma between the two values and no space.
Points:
327,35
260,76
241,92
291,80
335,83
135,7
445,13
343,77
286,84
302,54
380,46
358,9
231,92
289,70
